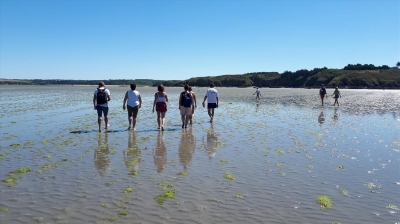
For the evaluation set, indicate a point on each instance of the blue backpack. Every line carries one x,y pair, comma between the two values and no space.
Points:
186,101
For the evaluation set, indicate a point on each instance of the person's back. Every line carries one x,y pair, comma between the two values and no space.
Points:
212,99
322,93
101,97
133,102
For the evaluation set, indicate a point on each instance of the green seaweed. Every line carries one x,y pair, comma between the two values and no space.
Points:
104,205
10,180
21,171
309,166
391,206
164,185
371,185
134,173
280,165
129,190
344,192
223,161
238,196
279,151
166,195
229,176
15,145
324,201
4,209
183,173
113,219
123,213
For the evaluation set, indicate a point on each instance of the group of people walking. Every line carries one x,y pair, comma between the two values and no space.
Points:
323,94
133,102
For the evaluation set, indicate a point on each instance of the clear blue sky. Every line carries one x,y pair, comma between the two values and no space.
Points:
165,39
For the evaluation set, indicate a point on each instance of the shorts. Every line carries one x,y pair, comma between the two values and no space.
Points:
102,110
322,96
133,111
186,110
211,105
161,107
336,96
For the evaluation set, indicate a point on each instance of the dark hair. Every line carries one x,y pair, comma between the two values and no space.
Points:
133,86
160,88
186,87
211,85
190,88
101,84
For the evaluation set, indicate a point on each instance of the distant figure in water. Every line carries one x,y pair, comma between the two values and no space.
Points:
212,99
321,117
337,95
322,93
160,103
258,94
134,103
100,102
194,106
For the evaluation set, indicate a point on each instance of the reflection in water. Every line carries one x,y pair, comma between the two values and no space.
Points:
160,153
257,106
101,160
321,117
335,115
211,143
186,147
132,155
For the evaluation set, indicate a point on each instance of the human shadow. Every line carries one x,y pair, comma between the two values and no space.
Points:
101,159
187,147
211,142
160,153
335,115
132,155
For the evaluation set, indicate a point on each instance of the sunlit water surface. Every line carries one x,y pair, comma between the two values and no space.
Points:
283,151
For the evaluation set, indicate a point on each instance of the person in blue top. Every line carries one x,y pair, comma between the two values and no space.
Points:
100,102
185,105
133,102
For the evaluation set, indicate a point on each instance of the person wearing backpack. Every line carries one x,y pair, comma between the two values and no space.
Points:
100,102
134,103
322,93
185,105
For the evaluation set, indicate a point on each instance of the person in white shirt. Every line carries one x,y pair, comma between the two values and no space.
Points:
100,102
212,100
258,94
133,101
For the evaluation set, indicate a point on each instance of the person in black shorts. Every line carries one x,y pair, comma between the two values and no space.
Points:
212,100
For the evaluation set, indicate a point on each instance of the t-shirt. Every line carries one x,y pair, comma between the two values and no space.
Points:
107,94
212,95
258,91
322,90
133,98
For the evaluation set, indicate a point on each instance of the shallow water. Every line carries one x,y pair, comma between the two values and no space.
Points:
283,151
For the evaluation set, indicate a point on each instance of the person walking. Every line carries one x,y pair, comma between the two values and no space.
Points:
212,100
194,106
160,103
337,95
134,103
185,105
322,93
258,94
100,102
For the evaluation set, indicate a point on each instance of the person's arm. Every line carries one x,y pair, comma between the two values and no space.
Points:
109,95
180,99
125,99
155,100
217,101
205,97
166,97
191,100
140,101
195,101
94,101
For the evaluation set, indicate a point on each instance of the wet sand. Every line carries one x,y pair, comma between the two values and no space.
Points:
283,152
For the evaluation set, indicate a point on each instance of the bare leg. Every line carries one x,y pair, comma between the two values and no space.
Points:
106,122
99,122
186,120
158,119
162,120
183,118
133,122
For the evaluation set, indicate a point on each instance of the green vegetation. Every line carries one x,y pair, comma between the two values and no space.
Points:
10,180
166,195
21,171
183,173
129,190
324,201
394,207
352,76
229,176
123,213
